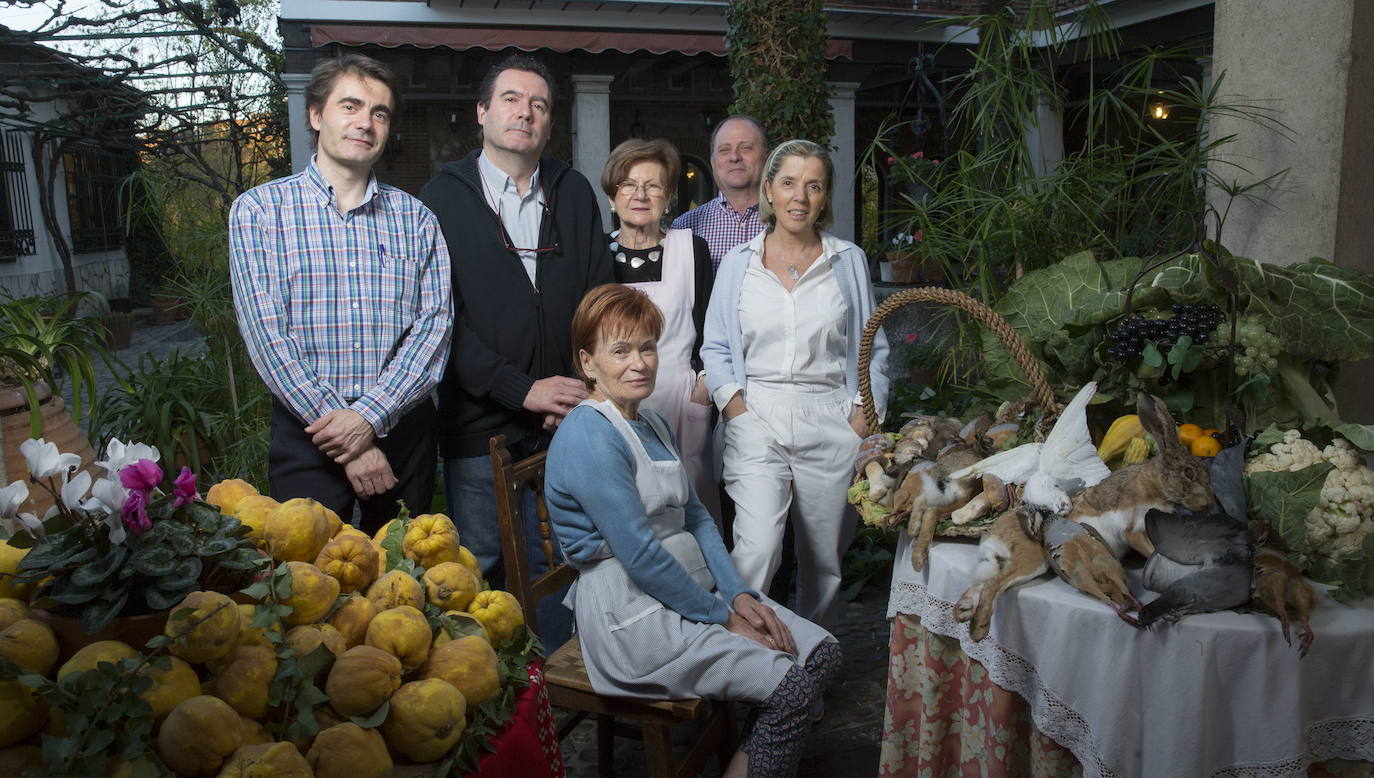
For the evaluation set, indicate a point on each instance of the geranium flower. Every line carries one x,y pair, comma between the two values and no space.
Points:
185,487
44,460
143,475
119,456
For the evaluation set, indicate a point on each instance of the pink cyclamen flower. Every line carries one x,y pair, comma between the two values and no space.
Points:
185,487
143,475
911,338
890,160
136,511
918,155
935,162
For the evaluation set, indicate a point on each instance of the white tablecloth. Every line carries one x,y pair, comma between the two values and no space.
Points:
1218,694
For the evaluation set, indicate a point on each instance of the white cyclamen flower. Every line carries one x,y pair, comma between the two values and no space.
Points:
108,494
44,460
11,497
119,455
73,493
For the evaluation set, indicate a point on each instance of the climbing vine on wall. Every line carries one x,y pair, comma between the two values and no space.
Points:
777,62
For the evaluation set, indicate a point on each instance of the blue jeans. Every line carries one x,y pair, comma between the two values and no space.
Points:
471,499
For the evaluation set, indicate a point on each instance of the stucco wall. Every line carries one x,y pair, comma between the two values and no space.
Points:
1292,59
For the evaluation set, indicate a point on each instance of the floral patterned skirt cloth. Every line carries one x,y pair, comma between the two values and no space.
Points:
1061,687
945,717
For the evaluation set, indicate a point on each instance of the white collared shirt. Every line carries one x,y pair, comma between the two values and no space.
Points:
793,341
521,216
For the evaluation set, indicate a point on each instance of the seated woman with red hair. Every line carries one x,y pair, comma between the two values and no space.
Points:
660,609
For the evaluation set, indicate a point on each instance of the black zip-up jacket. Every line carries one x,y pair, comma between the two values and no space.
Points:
508,334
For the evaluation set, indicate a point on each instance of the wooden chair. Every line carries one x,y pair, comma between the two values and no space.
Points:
564,671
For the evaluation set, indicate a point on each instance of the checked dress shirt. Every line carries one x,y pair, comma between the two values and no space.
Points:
721,226
338,311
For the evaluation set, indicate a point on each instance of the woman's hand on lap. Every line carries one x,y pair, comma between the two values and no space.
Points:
764,621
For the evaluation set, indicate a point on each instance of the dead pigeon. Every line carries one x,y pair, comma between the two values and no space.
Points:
1201,563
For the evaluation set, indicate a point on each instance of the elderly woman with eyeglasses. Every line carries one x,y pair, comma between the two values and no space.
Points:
673,267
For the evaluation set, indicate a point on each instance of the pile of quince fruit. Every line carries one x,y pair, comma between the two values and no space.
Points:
210,704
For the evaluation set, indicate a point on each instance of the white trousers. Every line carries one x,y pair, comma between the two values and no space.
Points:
792,452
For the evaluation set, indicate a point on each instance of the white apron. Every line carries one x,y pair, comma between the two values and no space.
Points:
674,294
634,646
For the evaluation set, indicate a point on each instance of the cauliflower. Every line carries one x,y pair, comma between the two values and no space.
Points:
1344,515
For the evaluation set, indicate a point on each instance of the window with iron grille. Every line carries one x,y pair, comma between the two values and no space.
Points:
93,201
16,220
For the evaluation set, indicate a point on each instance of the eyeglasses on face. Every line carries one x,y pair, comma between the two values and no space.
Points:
651,188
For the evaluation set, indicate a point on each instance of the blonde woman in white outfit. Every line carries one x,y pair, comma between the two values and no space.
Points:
781,353
674,269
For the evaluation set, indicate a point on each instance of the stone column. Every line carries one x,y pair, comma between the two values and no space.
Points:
1321,87
591,127
1045,139
843,153
301,147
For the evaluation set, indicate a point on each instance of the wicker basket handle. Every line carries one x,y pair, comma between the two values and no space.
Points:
1035,374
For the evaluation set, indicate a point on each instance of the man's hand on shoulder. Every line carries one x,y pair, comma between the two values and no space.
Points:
370,473
555,395
342,435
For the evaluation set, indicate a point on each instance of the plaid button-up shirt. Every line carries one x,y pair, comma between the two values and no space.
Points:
341,310
721,226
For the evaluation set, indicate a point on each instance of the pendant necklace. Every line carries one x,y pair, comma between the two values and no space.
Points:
792,271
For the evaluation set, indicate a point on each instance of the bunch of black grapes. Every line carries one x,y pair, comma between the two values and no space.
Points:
1127,339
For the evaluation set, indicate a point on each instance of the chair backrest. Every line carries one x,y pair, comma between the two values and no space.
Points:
510,479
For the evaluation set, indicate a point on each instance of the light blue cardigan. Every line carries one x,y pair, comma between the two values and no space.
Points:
723,353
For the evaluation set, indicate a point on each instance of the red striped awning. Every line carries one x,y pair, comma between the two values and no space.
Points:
495,39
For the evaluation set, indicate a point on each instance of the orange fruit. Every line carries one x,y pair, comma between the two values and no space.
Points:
1212,432
1187,433
1205,446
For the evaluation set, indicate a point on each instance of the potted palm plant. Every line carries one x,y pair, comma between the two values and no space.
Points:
46,345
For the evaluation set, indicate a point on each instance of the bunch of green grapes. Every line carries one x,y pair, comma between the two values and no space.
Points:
1258,347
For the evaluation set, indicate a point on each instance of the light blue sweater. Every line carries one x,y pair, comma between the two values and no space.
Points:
589,484
723,352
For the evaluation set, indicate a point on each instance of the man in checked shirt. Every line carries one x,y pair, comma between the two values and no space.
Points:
738,147
342,288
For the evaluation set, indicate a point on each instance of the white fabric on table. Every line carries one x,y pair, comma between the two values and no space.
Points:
1214,694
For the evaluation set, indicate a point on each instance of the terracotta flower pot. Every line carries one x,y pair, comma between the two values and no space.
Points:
58,427
134,630
72,635
119,329
167,309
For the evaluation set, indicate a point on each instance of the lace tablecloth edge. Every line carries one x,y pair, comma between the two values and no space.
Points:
1328,739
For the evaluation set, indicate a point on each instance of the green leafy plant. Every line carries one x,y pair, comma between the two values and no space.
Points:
165,402
47,339
777,62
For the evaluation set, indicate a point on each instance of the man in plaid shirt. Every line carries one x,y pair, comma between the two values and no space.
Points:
342,289
739,146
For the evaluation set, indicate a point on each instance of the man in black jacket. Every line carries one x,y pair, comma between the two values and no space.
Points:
526,242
